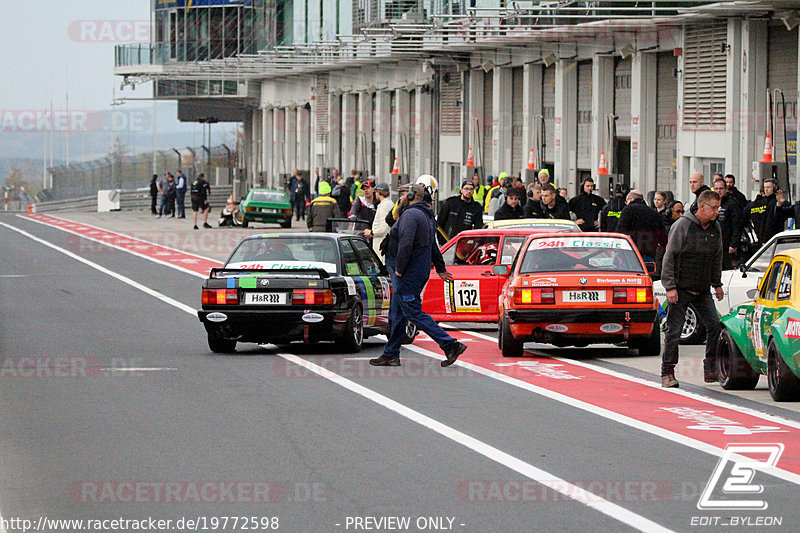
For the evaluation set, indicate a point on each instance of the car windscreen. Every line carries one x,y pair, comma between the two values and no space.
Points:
283,252
272,197
580,254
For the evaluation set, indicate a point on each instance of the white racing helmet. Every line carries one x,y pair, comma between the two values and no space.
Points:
429,182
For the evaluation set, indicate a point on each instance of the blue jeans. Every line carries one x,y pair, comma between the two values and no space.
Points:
181,207
163,208
407,306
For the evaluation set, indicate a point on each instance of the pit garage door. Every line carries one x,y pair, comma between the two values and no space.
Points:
585,115
782,74
666,121
549,112
622,97
519,157
486,124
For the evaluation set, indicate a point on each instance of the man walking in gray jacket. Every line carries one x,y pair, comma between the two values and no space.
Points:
692,265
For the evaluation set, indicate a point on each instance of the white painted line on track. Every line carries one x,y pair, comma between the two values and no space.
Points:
600,411
147,290
490,452
121,249
25,217
687,394
569,490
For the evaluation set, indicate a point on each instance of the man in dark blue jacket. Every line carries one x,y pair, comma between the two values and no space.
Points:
411,250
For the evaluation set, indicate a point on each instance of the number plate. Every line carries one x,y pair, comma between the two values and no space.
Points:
462,296
584,296
265,298
268,210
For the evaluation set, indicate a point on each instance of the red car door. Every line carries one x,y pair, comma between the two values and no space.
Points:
472,295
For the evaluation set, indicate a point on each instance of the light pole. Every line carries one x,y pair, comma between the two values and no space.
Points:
114,103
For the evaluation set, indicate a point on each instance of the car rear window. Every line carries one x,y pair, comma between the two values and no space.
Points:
285,253
576,254
274,197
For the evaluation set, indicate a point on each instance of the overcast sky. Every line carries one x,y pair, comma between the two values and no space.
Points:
45,53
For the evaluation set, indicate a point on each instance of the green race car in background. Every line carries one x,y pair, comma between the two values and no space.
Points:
265,205
762,335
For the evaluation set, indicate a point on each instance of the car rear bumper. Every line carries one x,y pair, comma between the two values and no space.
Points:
602,325
261,326
267,217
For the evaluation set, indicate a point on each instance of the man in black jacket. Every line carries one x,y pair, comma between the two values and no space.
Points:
698,187
411,251
730,183
459,213
552,207
643,225
692,265
609,216
511,209
587,206
730,221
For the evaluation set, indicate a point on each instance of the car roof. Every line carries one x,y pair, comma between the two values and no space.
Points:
584,235
304,234
532,222
792,253
530,230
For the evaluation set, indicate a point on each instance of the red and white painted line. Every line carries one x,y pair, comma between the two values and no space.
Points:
689,419
164,255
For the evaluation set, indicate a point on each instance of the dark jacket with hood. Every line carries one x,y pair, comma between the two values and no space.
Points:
644,226
412,243
693,259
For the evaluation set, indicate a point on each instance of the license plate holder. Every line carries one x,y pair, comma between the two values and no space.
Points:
265,298
583,296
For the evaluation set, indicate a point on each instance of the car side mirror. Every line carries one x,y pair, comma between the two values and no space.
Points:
651,267
752,293
501,270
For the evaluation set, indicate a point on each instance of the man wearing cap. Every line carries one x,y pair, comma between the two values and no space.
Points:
459,213
364,206
544,179
321,209
380,229
511,209
411,251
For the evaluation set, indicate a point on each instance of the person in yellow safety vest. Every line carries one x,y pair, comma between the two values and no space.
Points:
355,190
321,209
480,189
544,179
494,188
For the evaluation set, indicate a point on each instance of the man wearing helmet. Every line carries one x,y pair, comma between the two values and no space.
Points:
459,213
411,250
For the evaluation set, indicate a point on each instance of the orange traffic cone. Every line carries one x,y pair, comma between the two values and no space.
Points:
532,161
602,170
767,150
230,200
396,167
470,159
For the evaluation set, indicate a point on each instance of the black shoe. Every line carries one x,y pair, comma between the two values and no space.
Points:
206,225
386,360
182,216
452,351
196,227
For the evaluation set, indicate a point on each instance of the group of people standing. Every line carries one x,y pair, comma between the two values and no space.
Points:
172,190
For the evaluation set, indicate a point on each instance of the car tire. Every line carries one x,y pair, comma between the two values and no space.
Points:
286,224
353,336
238,218
694,331
218,344
510,346
411,333
652,344
734,372
784,386
245,222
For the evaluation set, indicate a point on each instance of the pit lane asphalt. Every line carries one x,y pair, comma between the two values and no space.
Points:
254,417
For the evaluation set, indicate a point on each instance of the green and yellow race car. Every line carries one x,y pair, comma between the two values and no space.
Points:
762,335
265,205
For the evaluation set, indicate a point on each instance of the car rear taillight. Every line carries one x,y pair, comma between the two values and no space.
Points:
249,208
220,297
287,211
312,297
633,295
523,296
